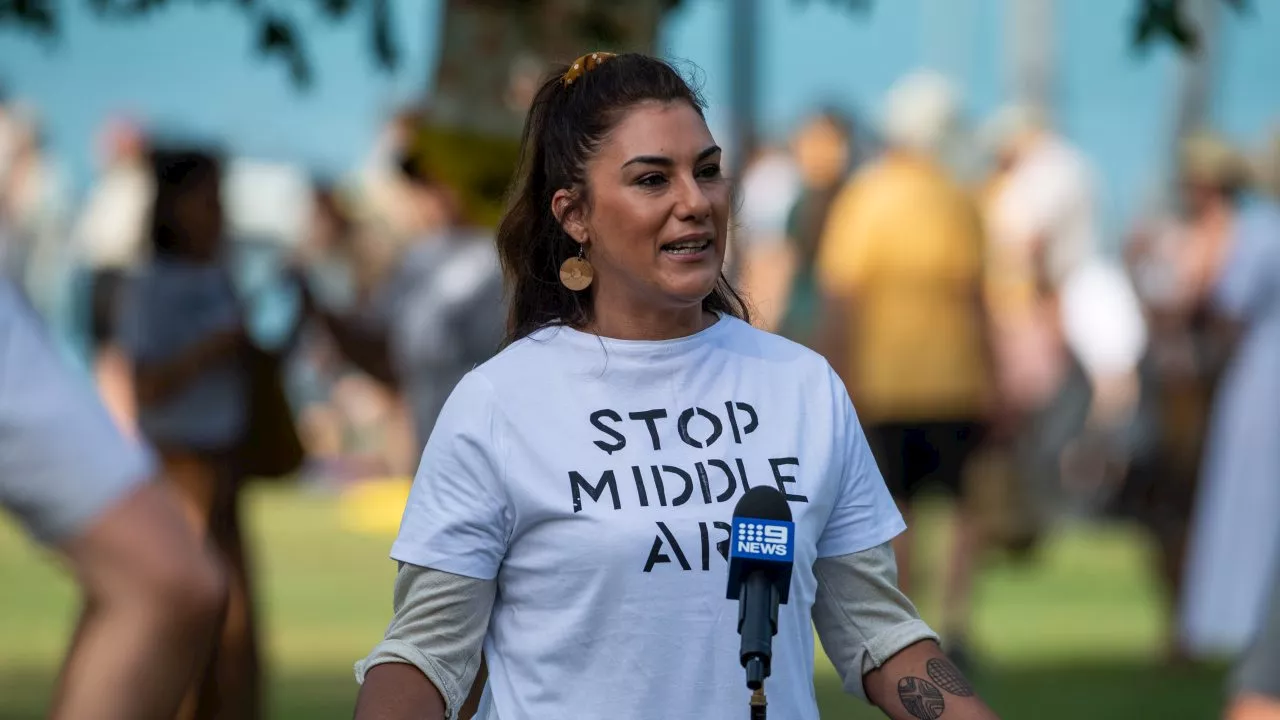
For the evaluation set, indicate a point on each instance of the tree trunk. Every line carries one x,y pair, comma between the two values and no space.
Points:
495,55
1196,70
1031,50
496,52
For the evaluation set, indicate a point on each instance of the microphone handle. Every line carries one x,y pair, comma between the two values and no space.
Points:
757,623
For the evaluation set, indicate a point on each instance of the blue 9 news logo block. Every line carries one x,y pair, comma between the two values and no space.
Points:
769,540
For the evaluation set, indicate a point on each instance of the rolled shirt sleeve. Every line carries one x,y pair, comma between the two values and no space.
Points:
861,616
439,627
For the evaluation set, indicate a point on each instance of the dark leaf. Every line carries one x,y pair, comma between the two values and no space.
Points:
336,9
1183,35
1164,19
34,15
852,5
278,39
137,7
384,44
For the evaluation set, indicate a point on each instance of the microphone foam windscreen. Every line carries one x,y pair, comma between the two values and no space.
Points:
765,503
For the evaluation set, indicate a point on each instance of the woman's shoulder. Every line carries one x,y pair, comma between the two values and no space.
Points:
773,351
516,362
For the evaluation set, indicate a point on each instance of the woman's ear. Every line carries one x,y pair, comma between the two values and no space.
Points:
568,213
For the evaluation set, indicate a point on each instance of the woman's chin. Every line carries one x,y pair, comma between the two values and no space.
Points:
690,288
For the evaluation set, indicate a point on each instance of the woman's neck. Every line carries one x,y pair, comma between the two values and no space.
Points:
620,323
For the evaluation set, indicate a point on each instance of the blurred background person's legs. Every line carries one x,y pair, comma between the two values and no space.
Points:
151,593
209,485
1255,694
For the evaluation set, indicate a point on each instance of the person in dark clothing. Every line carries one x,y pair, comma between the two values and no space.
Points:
438,314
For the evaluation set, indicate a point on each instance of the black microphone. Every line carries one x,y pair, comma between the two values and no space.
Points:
761,555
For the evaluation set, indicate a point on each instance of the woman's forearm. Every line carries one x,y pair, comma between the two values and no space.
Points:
920,683
158,381
398,691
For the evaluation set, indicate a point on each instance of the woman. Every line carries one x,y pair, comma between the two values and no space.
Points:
1235,260
183,330
1175,262
823,150
556,518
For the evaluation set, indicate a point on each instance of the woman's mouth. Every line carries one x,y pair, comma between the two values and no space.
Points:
687,247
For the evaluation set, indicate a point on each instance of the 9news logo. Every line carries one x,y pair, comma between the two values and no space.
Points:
763,538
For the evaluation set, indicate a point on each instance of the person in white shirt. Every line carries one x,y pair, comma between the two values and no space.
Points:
570,514
111,234
770,185
152,593
1068,324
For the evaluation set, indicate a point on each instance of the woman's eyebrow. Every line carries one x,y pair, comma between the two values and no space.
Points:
664,161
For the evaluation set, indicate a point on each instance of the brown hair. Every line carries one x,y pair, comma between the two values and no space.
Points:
565,126
177,172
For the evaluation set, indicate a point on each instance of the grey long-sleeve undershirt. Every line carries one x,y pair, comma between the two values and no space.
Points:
440,621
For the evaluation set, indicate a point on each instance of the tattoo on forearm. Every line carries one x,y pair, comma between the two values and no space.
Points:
947,676
921,698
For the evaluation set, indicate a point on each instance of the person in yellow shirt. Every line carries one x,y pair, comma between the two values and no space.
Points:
900,268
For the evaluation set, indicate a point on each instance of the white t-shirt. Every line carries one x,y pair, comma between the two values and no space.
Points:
770,187
112,230
1049,195
595,479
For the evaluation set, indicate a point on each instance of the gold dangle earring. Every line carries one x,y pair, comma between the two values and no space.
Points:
576,273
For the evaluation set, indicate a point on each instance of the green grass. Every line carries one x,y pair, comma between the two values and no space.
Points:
1072,635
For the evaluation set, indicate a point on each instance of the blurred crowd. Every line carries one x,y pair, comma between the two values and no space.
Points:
999,344
996,342
246,322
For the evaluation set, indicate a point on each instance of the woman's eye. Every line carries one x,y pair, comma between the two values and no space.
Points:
709,171
651,180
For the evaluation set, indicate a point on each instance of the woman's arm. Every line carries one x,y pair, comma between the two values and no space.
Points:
920,683
159,380
429,659
881,648
365,344
398,691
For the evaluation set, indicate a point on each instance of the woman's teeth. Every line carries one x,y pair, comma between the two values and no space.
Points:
687,248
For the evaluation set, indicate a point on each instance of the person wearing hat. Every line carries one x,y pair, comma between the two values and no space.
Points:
1255,683
900,269
1232,260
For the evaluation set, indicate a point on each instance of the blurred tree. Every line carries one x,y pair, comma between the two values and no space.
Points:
495,51
277,34
539,29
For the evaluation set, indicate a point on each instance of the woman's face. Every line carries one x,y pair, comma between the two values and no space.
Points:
657,210
822,153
